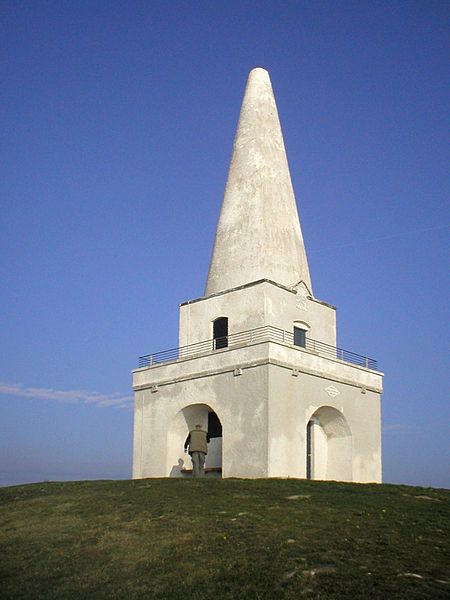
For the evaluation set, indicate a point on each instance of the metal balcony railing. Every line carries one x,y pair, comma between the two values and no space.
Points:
253,336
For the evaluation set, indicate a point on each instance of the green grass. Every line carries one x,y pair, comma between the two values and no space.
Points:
171,538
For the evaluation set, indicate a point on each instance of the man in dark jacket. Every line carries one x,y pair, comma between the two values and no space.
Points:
197,441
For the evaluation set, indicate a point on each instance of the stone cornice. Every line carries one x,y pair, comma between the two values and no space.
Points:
251,365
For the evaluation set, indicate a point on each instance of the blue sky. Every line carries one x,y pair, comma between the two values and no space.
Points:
117,126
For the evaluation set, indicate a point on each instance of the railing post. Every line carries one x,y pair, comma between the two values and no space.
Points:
367,362
151,359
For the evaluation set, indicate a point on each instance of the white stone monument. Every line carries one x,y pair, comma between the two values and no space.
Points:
257,362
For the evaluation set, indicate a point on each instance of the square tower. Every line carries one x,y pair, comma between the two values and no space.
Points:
257,363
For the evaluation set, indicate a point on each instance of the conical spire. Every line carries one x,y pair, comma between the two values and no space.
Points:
259,234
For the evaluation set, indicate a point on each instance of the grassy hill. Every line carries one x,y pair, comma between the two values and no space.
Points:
223,539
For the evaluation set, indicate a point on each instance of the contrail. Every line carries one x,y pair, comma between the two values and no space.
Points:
360,242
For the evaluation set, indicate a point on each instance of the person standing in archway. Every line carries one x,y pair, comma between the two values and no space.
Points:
197,441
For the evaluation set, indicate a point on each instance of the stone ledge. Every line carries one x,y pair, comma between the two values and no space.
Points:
260,363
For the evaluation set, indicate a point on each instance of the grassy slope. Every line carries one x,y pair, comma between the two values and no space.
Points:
223,539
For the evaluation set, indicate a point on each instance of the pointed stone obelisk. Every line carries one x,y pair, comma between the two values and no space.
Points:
257,364
258,234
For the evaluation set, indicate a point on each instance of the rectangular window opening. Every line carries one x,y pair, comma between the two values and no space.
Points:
220,332
299,337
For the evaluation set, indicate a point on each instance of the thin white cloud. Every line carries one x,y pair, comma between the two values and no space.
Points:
396,428
67,396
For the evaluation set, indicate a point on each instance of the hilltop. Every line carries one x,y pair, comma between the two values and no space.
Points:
172,538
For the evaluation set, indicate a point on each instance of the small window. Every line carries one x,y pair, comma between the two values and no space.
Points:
220,332
214,425
299,337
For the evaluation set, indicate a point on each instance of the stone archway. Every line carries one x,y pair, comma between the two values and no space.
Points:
328,446
178,462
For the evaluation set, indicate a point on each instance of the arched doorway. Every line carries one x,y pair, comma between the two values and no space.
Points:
328,446
178,462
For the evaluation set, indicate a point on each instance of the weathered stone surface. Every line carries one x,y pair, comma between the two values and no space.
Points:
258,235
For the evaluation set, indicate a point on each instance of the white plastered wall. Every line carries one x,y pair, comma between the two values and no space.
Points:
240,402
264,411
257,305
293,400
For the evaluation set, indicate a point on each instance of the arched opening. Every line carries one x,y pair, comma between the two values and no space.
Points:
178,462
328,446
220,332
